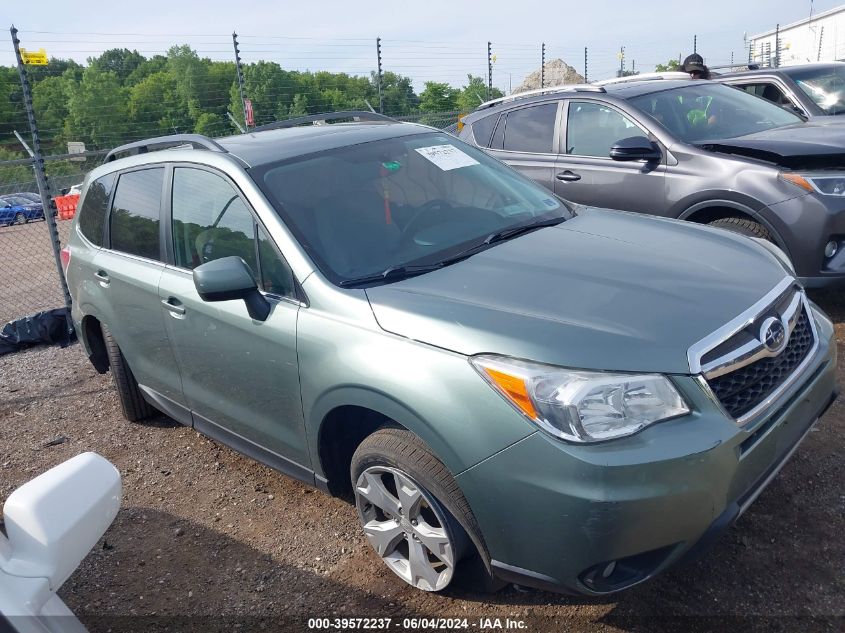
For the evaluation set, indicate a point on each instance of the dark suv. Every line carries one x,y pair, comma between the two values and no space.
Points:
690,150
812,90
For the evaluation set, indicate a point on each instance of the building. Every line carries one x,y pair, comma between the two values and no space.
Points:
819,38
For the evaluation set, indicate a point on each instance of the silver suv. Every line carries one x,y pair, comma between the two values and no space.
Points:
564,398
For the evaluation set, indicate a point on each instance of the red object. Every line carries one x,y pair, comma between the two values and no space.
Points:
66,205
250,118
65,255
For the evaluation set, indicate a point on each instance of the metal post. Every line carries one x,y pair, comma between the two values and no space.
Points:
750,52
777,46
621,61
40,171
695,43
821,34
543,65
585,65
380,76
240,74
489,70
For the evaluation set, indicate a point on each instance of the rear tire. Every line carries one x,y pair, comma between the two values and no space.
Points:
134,407
385,459
20,218
744,226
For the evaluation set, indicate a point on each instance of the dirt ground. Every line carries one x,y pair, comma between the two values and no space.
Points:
209,540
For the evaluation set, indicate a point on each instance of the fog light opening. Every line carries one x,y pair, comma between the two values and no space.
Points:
607,571
831,248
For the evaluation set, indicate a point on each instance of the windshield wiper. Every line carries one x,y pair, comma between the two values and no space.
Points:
394,273
506,234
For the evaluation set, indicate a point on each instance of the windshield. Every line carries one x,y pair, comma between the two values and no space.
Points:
409,201
825,85
704,111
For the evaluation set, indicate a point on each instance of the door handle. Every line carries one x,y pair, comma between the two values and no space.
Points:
103,277
172,305
568,176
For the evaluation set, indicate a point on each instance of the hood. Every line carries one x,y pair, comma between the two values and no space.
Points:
605,290
817,144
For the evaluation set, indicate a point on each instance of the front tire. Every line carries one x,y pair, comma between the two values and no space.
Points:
407,503
20,218
744,226
135,408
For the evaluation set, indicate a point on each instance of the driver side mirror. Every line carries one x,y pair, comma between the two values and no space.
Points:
635,148
227,279
53,521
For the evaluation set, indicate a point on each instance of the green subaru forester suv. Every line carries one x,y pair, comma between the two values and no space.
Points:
557,396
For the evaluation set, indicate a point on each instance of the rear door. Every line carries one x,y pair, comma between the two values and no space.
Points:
127,271
525,139
586,174
240,376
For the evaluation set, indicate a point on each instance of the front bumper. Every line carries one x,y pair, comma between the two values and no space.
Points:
599,518
806,224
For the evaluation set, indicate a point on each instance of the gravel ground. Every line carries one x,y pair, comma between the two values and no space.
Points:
206,532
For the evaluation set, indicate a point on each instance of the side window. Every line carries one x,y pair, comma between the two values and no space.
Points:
92,212
135,213
211,221
593,128
769,91
531,129
482,130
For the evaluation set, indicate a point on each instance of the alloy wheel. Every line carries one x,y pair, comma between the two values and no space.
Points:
20,218
406,527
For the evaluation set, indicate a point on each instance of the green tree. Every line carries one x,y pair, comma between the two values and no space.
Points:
50,98
397,93
121,61
671,65
474,93
97,109
156,107
299,107
190,74
438,97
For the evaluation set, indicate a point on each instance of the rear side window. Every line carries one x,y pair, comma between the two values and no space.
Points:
135,216
531,129
92,213
482,130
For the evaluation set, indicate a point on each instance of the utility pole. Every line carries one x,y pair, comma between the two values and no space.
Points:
380,76
695,43
621,61
585,65
41,172
543,65
240,74
777,46
489,69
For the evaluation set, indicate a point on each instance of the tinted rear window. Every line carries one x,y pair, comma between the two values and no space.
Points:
531,129
135,213
92,212
482,129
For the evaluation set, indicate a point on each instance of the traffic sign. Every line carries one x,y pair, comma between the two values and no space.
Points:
38,58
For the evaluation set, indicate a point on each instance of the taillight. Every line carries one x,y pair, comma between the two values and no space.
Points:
65,255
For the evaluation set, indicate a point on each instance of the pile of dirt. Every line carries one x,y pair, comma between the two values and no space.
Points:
557,73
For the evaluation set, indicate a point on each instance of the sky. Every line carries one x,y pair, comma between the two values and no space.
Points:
434,40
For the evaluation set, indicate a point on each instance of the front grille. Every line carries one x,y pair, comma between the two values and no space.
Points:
743,389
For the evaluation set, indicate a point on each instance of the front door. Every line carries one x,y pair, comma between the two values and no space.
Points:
240,376
586,174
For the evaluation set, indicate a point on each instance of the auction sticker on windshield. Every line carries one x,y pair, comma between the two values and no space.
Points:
447,157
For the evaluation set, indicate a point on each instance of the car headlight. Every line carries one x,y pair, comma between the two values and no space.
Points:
581,406
778,252
830,184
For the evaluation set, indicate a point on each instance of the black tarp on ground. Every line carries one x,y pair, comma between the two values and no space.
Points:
51,327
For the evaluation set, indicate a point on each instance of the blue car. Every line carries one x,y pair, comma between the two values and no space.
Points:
18,210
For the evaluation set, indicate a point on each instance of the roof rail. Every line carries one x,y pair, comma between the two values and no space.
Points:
318,119
542,91
165,142
669,74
